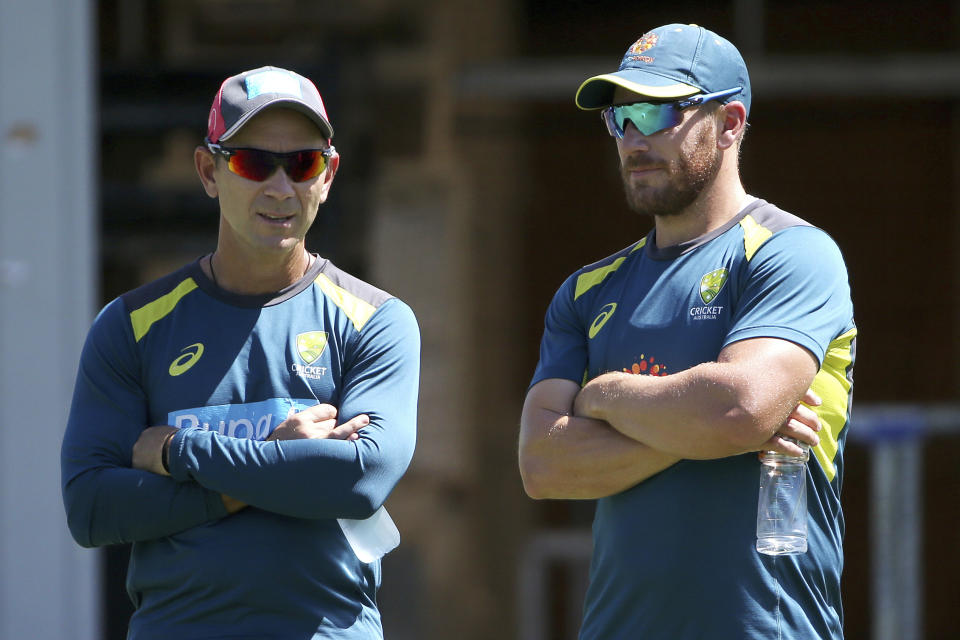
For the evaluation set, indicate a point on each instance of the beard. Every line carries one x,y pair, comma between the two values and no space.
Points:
687,177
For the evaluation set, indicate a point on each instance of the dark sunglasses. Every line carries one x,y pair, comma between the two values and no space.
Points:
651,117
258,164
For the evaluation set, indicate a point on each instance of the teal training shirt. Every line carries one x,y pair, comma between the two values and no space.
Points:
226,370
674,557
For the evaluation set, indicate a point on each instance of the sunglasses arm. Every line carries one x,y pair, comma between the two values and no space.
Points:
706,97
216,149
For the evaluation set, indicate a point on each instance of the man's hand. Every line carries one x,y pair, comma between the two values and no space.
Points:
149,448
319,422
802,424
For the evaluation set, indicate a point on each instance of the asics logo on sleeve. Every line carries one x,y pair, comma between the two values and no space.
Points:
602,318
187,360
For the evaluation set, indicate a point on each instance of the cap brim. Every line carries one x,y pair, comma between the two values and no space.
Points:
597,92
325,127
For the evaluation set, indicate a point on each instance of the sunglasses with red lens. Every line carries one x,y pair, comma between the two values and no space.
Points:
259,164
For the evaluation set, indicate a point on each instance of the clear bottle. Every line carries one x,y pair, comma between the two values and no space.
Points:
782,507
373,537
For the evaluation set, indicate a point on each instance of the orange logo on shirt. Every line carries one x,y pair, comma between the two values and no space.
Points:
647,366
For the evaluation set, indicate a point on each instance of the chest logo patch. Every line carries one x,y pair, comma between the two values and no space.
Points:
186,360
310,345
602,318
712,283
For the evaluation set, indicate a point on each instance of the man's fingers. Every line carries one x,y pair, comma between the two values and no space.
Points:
358,422
319,412
348,430
806,415
782,444
811,398
800,431
299,420
308,425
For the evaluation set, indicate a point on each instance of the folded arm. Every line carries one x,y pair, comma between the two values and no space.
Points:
327,477
107,501
740,403
566,456
151,451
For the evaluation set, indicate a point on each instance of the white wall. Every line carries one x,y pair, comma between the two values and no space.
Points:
48,585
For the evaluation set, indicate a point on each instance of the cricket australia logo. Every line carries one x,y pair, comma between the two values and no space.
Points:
711,283
710,286
310,346
641,46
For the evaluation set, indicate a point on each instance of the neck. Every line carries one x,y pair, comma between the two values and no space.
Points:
249,275
715,206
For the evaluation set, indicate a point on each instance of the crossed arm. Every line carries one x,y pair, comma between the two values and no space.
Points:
110,498
319,422
620,429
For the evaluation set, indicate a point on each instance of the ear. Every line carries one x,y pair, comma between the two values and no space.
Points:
206,165
733,118
333,163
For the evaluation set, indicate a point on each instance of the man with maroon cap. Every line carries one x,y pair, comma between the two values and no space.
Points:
666,366
242,420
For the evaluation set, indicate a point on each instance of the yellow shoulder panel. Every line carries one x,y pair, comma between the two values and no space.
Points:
833,387
754,235
144,317
356,309
588,280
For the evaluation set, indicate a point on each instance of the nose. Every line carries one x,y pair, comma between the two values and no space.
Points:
633,139
279,185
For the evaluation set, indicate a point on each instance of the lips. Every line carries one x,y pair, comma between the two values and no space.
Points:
640,172
276,217
641,167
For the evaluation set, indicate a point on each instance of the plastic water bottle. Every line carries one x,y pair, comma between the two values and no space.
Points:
372,537
782,507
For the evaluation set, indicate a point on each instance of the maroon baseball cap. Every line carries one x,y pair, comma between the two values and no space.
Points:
246,94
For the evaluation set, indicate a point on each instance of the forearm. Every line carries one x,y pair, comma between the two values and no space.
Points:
712,410
305,478
577,458
118,505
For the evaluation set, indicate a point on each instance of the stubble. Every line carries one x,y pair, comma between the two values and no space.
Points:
687,177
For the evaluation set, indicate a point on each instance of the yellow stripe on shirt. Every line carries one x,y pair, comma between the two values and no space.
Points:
833,387
144,317
754,235
590,279
356,309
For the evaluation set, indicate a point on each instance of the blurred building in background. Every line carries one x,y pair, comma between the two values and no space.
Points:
470,186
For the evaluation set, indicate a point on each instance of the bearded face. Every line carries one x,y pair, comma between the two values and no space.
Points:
667,187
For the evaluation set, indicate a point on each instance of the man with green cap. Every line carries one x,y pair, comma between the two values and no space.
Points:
737,317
